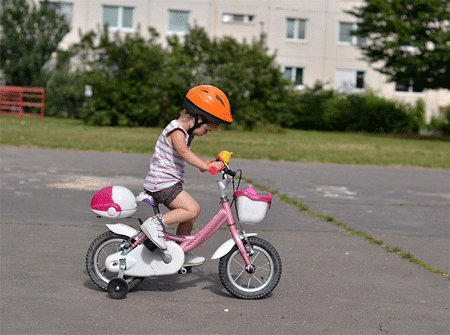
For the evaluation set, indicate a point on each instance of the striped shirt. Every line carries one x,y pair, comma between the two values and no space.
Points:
166,165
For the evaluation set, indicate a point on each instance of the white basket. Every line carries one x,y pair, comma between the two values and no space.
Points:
251,211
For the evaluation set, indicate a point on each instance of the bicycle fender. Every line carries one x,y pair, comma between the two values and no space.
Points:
227,246
121,229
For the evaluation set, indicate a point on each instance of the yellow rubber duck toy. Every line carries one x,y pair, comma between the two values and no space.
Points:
224,156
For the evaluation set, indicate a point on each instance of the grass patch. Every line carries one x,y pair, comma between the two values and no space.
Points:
328,218
288,145
54,133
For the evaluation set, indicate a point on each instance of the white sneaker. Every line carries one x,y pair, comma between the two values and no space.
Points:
191,260
155,232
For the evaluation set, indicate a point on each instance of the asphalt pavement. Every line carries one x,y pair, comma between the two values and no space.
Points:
332,282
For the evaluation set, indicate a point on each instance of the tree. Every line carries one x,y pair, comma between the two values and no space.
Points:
409,38
30,36
246,73
125,73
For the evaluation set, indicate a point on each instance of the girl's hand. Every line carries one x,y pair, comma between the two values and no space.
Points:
215,166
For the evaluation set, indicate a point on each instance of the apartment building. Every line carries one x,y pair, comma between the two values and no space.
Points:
311,37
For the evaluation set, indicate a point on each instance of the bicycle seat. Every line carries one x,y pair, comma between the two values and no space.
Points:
145,197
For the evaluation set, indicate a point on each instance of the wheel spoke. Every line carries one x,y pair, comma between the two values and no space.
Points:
263,267
235,261
254,258
104,252
261,282
243,271
249,280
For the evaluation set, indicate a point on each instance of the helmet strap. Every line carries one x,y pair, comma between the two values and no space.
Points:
196,125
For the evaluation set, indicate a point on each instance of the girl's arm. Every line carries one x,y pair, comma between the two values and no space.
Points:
177,137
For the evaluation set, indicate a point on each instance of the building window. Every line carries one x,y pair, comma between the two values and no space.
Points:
178,21
348,80
295,29
238,18
63,8
294,74
118,17
360,79
345,36
403,87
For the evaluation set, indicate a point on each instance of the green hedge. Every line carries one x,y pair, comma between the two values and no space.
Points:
136,82
325,109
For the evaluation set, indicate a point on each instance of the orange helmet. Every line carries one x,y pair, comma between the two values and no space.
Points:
209,102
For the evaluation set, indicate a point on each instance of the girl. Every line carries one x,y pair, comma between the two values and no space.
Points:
206,108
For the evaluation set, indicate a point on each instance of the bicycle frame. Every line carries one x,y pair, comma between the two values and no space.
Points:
225,215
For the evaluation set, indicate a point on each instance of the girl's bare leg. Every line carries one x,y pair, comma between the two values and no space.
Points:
183,210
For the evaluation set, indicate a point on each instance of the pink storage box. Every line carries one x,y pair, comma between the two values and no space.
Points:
252,207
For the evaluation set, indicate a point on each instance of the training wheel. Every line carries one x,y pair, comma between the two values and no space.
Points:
117,288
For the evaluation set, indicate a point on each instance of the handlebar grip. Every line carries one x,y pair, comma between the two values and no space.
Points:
203,171
213,170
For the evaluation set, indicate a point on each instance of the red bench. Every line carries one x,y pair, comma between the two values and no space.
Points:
13,99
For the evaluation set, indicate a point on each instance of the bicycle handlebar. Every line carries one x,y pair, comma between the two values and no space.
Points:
224,157
225,170
228,171
212,169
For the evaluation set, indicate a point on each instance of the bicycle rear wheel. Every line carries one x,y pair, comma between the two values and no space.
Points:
104,245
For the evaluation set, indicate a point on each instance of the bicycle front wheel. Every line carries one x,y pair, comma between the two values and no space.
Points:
242,284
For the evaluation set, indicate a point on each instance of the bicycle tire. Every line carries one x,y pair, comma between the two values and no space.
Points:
257,285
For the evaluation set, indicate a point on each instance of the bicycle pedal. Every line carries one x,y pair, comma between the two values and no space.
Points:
150,245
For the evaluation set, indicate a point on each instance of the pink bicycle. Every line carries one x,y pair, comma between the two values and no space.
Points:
119,260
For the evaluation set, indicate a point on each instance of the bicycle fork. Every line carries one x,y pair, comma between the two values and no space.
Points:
242,249
233,230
